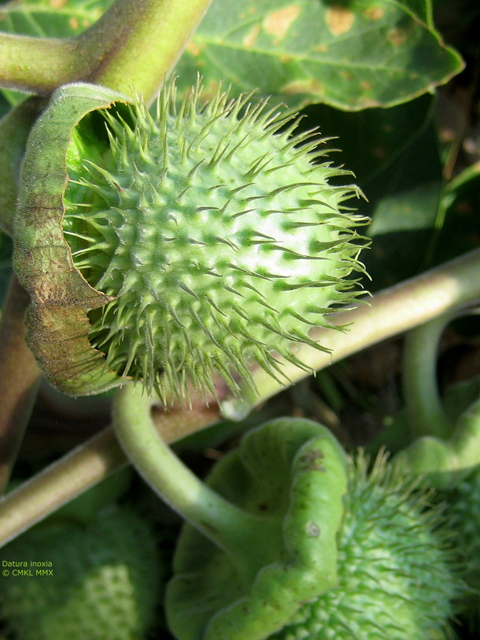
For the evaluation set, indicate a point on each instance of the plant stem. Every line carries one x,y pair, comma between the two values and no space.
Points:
56,485
233,530
131,48
426,414
38,65
143,40
390,312
19,378
82,468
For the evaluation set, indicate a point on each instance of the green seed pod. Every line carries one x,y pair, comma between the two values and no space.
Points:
397,576
464,515
104,581
198,241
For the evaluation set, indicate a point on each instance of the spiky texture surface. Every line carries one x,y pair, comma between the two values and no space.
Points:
218,237
464,515
105,582
397,578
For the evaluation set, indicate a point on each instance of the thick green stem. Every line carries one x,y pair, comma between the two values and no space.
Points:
131,48
144,40
37,65
233,530
426,414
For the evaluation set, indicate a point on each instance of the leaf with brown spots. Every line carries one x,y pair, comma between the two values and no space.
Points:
367,53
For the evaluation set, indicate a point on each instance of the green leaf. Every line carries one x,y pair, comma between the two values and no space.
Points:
458,224
51,18
420,8
364,53
403,205
372,139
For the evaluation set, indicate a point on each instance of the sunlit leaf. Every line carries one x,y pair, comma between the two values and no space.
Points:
350,55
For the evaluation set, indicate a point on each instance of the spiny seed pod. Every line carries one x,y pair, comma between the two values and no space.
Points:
464,514
104,580
397,577
199,241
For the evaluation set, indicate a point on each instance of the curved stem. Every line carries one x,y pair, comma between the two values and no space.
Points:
427,416
131,48
227,526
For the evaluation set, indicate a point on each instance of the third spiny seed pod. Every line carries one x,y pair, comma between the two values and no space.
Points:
464,513
398,577
176,247
103,581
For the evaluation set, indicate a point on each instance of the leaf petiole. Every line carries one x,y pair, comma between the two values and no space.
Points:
131,48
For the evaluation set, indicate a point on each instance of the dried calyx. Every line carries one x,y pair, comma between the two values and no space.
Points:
207,237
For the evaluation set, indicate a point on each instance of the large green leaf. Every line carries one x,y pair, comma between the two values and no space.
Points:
349,54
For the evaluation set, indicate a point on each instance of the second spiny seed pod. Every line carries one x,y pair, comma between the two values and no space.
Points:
176,247
464,514
398,575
